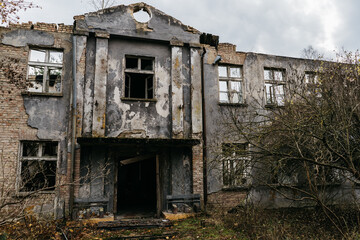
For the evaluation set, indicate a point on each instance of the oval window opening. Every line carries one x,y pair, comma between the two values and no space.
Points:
142,16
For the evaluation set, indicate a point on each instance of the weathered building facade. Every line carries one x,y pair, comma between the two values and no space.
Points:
116,114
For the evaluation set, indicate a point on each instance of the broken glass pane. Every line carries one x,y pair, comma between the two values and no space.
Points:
49,149
54,80
269,93
279,94
35,77
37,55
236,86
278,75
37,175
30,149
222,71
131,62
56,57
146,64
149,83
235,72
268,74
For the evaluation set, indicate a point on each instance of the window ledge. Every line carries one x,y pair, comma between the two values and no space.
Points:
30,194
41,94
236,188
273,106
139,99
233,104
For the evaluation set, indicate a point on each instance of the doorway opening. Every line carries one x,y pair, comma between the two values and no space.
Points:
136,195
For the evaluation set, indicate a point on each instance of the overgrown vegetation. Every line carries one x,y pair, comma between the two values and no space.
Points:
240,223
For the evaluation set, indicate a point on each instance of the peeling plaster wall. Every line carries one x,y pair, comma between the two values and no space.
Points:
47,115
254,99
119,21
138,118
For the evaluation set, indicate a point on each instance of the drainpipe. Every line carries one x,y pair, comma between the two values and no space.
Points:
204,127
73,136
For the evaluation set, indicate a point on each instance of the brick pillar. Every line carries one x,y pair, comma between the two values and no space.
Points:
77,172
197,158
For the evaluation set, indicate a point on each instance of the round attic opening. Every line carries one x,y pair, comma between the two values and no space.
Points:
142,14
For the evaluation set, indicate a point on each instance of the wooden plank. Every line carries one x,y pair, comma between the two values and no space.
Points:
136,159
158,196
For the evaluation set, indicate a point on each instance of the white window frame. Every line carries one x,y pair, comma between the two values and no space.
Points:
38,157
274,86
233,95
47,66
138,70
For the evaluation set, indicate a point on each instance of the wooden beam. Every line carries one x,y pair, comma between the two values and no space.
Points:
136,159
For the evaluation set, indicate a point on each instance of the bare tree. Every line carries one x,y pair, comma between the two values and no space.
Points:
311,53
9,10
101,4
311,145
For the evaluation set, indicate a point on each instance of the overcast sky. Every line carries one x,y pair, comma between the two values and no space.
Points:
280,27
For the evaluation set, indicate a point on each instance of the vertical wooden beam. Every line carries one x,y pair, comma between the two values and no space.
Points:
158,195
116,166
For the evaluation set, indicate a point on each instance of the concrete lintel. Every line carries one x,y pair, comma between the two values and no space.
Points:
102,35
176,42
195,45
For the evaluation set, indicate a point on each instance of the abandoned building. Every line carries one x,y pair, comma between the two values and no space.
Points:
121,115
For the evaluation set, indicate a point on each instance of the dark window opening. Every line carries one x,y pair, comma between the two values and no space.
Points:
146,64
38,166
139,78
131,62
138,85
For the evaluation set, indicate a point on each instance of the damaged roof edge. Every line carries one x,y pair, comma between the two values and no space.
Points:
133,7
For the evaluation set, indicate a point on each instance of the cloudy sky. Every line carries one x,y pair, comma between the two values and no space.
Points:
280,27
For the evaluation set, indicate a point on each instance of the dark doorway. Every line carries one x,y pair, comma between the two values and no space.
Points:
137,188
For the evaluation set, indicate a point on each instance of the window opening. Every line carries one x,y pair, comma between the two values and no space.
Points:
38,166
44,71
230,84
274,86
139,77
236,164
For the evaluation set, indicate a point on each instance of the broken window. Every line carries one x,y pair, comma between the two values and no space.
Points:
311,78
236,164
230,84
38,166
274,86
45,71
139,77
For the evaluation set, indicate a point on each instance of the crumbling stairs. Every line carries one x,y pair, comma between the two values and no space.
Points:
139,223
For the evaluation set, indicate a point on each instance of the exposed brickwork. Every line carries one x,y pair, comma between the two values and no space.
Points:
48,27
197,157
14,120
226,199
229,55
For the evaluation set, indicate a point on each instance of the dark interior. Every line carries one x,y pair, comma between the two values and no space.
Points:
137,187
